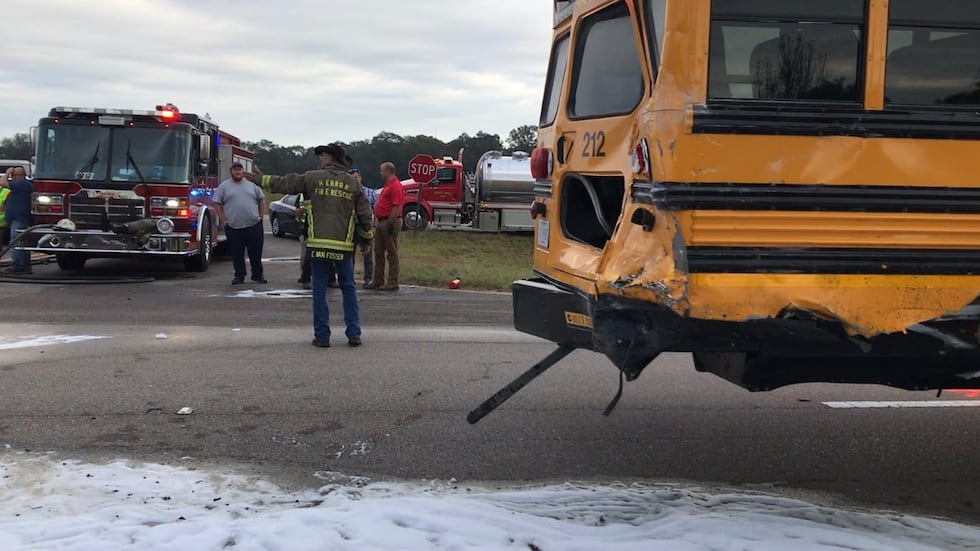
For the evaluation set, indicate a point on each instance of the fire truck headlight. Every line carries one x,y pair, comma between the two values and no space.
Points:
172,203
165,225
47,203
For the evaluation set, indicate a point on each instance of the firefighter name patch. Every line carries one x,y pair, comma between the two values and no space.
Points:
319,254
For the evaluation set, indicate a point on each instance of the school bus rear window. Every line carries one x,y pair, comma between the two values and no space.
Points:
933,53
608,76
556,76
786,50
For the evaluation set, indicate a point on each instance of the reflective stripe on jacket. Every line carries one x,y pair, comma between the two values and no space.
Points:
3,199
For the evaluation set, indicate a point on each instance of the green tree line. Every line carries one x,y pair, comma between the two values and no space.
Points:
367,154
390,147
17,146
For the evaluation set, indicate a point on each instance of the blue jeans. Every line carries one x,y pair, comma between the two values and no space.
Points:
304,262
239,241
19,260
368,267
321,312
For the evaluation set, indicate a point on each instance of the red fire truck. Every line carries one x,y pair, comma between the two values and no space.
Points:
496,198
128,183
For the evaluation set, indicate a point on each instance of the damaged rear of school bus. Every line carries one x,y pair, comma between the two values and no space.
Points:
787,189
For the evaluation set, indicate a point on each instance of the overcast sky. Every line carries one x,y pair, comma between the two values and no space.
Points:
297,72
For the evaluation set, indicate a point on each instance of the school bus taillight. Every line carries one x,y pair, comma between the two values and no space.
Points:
538,209
542,163
641,158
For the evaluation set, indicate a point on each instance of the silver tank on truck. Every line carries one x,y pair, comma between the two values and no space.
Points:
504,179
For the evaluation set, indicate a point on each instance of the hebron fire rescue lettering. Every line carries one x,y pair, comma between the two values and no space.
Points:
333,188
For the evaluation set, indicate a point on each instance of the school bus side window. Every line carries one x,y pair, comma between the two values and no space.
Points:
607,74
787,50
556,77
933,53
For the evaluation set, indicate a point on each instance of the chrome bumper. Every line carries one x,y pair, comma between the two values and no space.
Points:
96,242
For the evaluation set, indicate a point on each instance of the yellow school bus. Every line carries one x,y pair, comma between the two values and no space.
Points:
788,189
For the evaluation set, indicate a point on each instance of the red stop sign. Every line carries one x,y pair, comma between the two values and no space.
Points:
422,168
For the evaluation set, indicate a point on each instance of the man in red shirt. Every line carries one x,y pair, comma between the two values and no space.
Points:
388,213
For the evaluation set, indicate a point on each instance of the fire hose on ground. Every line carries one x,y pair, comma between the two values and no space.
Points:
72,280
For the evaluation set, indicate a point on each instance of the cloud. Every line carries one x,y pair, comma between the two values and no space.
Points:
295,72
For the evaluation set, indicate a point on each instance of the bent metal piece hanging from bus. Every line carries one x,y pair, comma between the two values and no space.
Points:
129,184
785,188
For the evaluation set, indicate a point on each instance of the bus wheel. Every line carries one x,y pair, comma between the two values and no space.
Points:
70,262
201,261
415,219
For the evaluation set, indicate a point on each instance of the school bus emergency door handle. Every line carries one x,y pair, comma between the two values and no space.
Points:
562,152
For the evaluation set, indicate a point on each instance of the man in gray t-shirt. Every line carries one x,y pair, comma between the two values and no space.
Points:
240,205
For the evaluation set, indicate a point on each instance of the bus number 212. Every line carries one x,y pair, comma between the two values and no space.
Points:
594,144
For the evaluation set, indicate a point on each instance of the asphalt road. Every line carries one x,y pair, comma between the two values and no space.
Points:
264,399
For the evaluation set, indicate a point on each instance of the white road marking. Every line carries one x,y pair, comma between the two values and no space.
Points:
333,292
32,341
905,404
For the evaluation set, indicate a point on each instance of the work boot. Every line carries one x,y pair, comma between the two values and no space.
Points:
390,286
17,271
374,284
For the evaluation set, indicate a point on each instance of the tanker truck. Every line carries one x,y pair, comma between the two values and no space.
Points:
497,198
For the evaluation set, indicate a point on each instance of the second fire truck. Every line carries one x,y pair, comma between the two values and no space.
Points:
494,199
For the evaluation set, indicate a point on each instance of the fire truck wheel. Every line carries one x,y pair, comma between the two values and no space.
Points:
70,262
201,261
276,227
415,218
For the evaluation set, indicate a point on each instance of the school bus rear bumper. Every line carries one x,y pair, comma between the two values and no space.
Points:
553,313
758,354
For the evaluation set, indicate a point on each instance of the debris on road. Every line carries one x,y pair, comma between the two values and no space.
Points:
185,411
161,336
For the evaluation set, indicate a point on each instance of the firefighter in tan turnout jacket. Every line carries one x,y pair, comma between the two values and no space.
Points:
339,220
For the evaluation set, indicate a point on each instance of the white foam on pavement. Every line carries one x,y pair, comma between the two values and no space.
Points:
275,293
36,341
72,506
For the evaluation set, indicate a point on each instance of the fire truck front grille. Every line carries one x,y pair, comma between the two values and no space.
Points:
83,210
